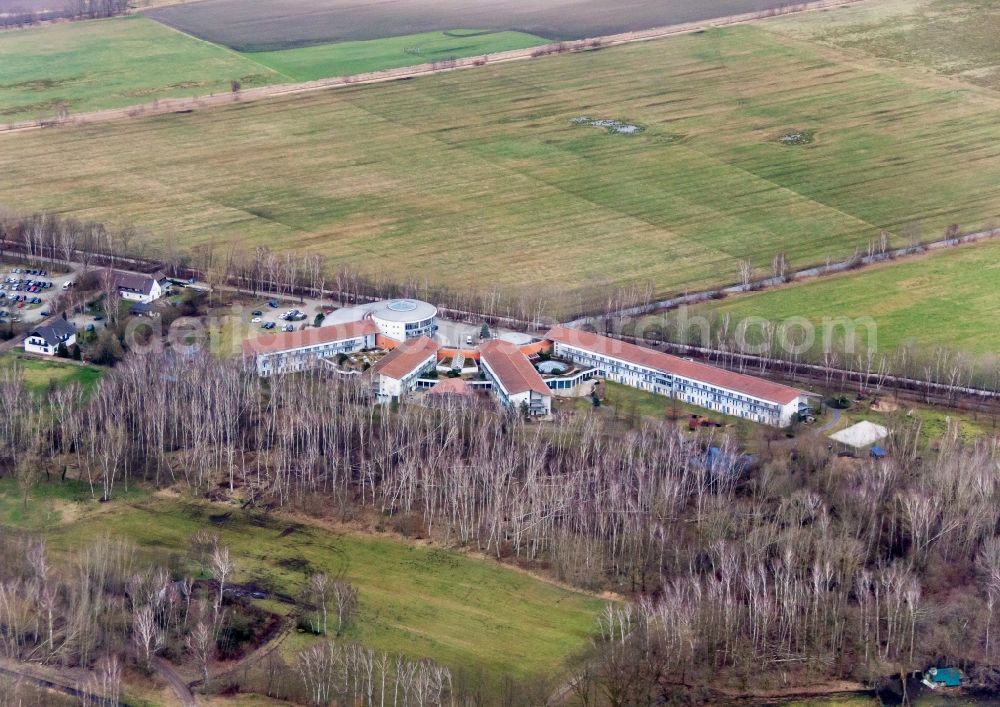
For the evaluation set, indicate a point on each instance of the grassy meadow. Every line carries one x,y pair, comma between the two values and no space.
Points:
110,64
417,599
405,181
949,298
349,58
39,374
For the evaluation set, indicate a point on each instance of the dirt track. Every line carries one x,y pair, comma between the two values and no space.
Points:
186,105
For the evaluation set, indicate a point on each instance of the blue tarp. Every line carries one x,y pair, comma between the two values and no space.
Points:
949,677
878,452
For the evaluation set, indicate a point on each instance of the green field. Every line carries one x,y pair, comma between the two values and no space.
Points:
949,298
349,58
405,181
110,64
39,374
422,601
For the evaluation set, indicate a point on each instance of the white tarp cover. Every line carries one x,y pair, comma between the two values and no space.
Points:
860,435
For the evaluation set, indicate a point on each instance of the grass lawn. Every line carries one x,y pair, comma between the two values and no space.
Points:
418,600
934,421
626,399
112,63
350,58
404,180
39,374
948,298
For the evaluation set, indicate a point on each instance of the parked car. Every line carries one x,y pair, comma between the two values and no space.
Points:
273,304
46,313
257,313
288,327
255,320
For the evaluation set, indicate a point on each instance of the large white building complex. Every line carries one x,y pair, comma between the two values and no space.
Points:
516,383
396,350
689,381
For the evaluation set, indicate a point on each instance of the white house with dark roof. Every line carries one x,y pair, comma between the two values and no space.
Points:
137,287
696,383
45,339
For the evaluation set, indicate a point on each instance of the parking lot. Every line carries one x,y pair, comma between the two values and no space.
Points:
26,294
272,315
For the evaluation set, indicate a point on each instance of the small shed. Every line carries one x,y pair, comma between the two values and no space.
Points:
863,434
143,309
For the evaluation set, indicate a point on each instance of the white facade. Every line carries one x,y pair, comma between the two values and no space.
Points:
402,319
154,293
718,397
535,403
300,350
136,287
300,359
391,388
45,340
512,388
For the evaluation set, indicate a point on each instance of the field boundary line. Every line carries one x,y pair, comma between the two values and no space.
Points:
187,105
223,47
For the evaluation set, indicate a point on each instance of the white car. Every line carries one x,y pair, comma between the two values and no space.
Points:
255,320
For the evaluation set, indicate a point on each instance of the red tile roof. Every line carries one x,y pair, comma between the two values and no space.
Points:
512,367
692,370
451,386
311,336
403,359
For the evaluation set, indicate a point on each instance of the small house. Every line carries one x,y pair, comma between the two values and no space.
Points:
46,338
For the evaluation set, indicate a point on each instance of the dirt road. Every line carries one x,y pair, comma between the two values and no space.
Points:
170,675
187,105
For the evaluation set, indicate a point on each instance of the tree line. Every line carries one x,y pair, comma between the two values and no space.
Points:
809,565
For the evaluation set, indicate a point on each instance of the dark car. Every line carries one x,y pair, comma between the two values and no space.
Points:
258,313
273,304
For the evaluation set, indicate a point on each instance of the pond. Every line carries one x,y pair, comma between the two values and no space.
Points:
615,127
552,367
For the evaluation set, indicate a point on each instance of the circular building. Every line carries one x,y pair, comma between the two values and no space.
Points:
402,319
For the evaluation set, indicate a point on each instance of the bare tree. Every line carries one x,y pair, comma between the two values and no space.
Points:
346,597
201,641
